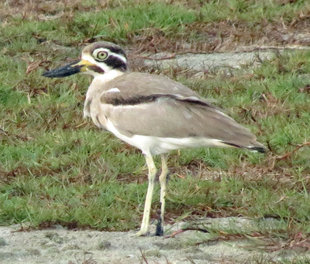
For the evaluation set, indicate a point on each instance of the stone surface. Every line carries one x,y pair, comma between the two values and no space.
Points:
245,59
62,246
215,62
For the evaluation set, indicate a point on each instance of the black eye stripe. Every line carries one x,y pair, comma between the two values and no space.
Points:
116,63
117,50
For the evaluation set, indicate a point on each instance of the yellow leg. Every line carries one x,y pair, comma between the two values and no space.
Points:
163,183
148,200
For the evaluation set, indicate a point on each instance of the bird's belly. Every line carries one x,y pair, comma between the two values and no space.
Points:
159,145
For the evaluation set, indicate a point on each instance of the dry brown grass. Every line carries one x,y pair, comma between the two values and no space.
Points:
215,36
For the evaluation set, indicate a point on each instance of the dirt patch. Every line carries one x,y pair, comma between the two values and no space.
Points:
195,242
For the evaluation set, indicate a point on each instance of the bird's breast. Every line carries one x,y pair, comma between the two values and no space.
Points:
94,110
86,111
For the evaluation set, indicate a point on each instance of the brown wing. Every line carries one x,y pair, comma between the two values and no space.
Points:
169,117
157,106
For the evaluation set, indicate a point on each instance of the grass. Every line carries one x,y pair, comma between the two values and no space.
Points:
252,11
56,167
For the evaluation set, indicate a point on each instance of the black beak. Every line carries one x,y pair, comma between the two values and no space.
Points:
67,70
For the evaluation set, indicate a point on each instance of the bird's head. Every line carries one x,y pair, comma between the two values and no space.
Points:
96,59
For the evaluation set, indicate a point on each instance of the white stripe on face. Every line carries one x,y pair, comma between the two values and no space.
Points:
117,55
103,65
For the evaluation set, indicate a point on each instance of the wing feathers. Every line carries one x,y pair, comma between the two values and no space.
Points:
153,105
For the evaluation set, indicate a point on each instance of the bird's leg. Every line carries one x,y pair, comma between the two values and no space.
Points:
163,183
148,200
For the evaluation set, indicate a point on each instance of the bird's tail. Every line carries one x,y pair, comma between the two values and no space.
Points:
255,146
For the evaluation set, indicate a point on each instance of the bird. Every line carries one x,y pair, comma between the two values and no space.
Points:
152,113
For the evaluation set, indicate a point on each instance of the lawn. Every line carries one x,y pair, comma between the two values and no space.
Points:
56,167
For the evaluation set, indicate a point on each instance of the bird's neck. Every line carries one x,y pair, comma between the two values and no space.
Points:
101,79
108,76
97,85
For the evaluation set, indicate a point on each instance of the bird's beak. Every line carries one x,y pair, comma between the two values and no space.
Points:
69,69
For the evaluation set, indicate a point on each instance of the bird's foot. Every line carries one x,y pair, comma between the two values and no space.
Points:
142,232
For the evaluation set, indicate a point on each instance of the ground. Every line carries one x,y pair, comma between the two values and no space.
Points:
187,243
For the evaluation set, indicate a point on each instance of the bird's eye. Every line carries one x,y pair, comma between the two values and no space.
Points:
100,55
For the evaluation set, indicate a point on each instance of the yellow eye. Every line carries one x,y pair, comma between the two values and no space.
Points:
100,55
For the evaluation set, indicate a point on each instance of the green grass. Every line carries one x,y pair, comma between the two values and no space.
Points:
253,11
56,167
119,24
